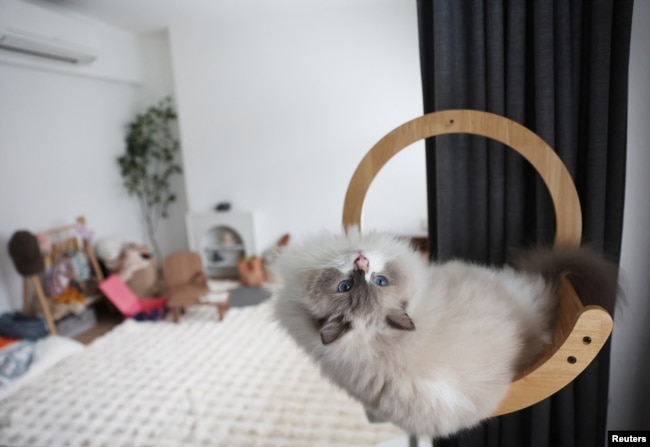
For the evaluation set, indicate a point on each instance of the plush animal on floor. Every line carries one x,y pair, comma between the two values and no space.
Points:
132,263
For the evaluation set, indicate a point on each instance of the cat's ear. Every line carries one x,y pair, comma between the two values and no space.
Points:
399,319
332,329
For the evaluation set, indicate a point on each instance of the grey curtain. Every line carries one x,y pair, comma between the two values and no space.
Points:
559,68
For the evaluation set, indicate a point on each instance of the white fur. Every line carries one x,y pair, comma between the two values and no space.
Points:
475,327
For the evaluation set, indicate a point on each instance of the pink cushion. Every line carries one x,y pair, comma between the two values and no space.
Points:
126,301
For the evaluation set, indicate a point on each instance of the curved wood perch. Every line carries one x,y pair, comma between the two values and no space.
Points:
581,331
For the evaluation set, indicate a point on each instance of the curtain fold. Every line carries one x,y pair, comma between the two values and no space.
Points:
560,69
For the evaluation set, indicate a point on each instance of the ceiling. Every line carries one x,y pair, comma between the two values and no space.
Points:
150,15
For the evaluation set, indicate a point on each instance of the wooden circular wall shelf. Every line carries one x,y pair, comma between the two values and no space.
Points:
581,331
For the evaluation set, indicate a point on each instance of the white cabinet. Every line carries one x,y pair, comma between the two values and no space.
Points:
222,239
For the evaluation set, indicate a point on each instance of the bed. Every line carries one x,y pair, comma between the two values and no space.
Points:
44,354
201,382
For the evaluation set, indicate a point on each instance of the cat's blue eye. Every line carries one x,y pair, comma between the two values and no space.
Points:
381,281
345,286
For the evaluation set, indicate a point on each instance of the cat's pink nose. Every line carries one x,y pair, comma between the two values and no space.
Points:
362,263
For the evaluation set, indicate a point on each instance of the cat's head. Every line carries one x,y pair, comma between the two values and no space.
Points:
343,284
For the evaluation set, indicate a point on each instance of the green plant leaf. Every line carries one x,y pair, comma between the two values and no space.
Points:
149,163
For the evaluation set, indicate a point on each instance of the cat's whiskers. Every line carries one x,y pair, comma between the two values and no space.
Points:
308,269
324,258
322,253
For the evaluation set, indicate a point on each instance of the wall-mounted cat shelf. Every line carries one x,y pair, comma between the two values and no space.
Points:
581,331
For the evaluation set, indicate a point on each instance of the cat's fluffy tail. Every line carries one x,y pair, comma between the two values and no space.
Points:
594,278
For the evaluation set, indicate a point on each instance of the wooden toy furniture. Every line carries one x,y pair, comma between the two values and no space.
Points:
72,237
187,284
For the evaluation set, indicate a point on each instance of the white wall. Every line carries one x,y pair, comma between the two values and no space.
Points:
275,113
59,140
61,131
158,82
277,110
629,390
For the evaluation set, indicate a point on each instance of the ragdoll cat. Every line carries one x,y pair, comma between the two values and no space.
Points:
431,348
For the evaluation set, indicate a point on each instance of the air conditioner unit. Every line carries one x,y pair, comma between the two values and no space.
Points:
44,47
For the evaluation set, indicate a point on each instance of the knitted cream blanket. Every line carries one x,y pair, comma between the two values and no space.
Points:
239,382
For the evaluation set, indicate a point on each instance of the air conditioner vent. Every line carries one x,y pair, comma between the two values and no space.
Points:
48,48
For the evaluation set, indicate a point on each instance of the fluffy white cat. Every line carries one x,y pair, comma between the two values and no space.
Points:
431,348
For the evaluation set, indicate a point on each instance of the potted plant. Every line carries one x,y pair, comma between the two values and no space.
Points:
149,164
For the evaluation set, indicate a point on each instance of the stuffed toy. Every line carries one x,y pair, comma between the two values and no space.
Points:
109,251
251,271
271,255
133,263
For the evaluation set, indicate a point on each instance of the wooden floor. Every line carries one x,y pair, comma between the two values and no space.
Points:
108,317
104,324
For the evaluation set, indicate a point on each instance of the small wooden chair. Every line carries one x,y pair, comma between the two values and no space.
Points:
581,331
187,284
